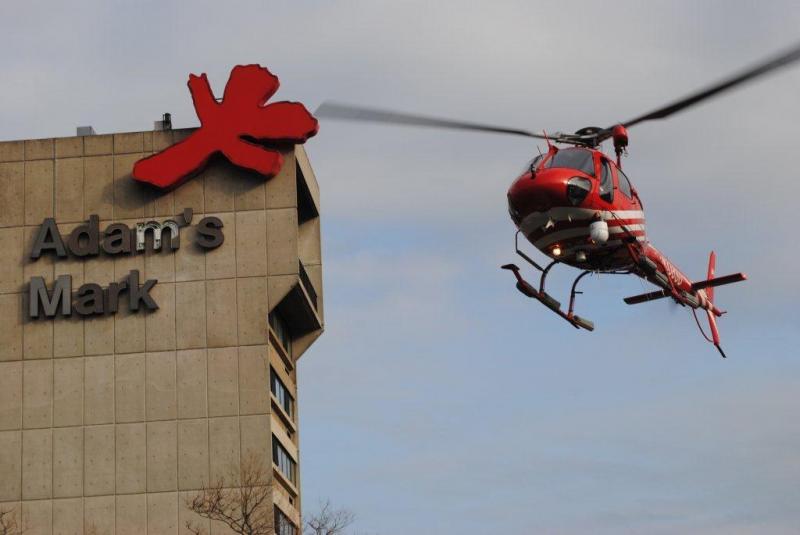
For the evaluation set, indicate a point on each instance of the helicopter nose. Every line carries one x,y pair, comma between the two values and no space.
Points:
536,193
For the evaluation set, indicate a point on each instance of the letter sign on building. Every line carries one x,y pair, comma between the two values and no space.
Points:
87,240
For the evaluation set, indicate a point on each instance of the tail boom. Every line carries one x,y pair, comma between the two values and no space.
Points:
656,268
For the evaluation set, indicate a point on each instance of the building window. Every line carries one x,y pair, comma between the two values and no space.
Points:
281,393
281,458
281,329
283,526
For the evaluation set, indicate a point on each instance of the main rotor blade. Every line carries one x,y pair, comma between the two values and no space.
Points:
333,110
760,69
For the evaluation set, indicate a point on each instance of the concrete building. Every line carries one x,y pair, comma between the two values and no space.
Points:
111,417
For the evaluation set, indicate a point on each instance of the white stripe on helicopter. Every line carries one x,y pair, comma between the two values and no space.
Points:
592,246
544,241
538,220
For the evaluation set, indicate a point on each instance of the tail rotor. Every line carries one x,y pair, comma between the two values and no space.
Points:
700,297
712,311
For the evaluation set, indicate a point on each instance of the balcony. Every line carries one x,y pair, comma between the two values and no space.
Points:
307,286
299,307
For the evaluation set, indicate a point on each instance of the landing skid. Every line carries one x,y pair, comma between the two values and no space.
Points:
542,296
546,299
549,301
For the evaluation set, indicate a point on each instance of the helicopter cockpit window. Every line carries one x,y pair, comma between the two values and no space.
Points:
606,183
624,184
533,164
580,159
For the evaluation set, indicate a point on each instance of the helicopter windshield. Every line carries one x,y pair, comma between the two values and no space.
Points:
580,159
533,164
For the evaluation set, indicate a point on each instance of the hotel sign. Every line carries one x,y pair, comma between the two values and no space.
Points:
236,127
116,239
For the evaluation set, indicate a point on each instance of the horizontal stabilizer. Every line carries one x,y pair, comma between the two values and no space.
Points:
710,283
719,281
643,298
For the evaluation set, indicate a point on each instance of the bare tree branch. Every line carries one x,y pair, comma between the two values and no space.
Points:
329,521
245,509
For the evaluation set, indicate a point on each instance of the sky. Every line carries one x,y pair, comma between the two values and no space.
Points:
439,399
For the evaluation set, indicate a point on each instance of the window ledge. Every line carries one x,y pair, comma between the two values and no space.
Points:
288,485
282,414
273,338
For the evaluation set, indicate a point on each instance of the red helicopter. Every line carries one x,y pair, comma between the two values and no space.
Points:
577,206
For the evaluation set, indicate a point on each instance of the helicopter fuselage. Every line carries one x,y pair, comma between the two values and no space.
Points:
576,206
579,208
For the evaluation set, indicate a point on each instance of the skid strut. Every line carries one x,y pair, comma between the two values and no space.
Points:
548,300
542,296
583,322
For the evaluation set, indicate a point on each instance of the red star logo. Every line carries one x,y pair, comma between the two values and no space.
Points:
232,127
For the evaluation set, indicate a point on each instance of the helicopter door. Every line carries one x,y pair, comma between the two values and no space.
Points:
625,186
606,182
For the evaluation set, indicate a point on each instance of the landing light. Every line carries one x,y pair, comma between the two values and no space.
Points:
556,251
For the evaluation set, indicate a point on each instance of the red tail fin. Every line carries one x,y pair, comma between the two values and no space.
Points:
712,264
712,320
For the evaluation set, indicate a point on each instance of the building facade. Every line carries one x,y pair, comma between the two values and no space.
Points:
121,397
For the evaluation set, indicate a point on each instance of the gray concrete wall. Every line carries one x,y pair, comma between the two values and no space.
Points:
111,422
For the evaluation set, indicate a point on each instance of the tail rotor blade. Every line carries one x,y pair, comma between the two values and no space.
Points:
712,266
